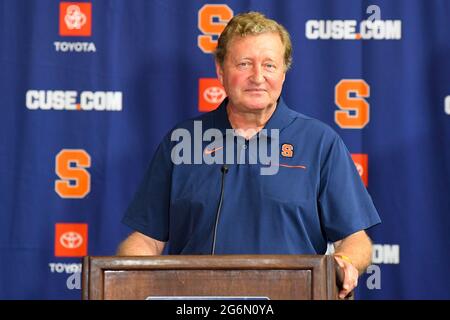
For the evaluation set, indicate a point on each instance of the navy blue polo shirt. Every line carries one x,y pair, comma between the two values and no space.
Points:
315,197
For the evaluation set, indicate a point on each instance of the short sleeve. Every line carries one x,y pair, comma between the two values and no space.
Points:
148,212
345,206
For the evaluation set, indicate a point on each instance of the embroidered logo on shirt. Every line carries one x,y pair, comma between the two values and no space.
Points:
210,151
287,150
291,166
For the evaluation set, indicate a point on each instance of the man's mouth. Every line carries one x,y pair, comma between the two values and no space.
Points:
255,90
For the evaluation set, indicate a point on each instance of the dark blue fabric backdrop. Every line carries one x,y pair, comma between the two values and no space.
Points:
146,55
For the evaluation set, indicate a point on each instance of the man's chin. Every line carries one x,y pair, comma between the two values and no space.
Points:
259,106
251,104
256,104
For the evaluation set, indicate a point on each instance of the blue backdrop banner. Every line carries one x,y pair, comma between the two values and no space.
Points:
89,88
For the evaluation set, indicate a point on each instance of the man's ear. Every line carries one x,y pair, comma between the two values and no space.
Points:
219,72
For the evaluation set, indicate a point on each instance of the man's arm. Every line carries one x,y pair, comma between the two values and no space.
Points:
353,254
138,244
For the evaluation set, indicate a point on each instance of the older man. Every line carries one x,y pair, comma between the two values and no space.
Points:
316,196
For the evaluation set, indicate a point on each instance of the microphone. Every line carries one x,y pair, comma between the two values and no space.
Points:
224,170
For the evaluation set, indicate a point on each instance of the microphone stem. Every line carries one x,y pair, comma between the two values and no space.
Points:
219,208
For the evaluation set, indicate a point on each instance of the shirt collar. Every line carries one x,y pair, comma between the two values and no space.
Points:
280,119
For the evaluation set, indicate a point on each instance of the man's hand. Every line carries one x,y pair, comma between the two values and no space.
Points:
350,276
353,255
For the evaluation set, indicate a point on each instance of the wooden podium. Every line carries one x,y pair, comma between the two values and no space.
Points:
275,277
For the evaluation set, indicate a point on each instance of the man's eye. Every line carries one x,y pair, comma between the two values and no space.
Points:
270,66
244,64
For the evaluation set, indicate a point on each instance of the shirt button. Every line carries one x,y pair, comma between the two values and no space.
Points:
244,146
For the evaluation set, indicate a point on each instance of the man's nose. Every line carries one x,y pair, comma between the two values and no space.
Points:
258,74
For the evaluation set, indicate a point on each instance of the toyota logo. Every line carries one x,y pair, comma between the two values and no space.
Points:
360,169
74,18
71,240
214,94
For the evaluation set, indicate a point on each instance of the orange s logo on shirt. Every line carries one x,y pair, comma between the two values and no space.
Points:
287,150
75,180
355,111
211,28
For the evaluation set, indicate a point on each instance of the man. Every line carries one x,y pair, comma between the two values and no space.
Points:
315,197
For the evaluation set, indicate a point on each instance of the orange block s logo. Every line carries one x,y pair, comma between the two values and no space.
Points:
287,150
355,113
75,180
211,28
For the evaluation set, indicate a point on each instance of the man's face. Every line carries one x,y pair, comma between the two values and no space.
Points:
253,71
